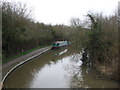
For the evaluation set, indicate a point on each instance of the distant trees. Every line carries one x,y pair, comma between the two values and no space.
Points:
21,33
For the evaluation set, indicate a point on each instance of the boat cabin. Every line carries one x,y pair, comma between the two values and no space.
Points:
58,44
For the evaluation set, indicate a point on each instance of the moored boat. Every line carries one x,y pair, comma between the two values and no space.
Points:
59,44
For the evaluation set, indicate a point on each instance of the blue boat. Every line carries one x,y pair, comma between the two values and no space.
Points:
59,44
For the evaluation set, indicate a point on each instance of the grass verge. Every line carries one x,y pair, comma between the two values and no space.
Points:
6,60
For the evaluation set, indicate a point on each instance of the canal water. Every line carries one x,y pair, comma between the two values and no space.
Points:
60,68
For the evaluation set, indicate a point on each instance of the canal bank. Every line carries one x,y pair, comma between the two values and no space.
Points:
8,66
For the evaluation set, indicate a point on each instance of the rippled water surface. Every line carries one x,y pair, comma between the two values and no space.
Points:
61,68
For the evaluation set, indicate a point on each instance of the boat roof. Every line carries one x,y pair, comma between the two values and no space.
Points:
59,41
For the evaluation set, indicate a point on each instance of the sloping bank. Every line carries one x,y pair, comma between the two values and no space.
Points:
107,69
10,66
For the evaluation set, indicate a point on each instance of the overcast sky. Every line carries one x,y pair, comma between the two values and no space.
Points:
60,11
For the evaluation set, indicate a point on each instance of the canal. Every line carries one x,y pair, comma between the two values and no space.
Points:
60,68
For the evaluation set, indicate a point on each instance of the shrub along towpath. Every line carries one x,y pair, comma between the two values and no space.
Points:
7,66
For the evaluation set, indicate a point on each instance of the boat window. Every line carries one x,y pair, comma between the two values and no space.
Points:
57,44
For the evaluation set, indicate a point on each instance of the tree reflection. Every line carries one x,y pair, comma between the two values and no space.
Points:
81,76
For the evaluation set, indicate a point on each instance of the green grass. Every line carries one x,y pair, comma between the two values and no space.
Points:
5,60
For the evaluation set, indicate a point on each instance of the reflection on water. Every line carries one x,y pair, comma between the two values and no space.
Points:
62,52
60,68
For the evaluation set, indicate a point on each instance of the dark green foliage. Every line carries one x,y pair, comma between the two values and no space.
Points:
100,43
98,47
95,46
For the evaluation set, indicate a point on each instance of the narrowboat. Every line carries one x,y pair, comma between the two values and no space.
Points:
59,44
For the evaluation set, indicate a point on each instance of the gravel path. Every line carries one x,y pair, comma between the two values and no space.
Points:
6,67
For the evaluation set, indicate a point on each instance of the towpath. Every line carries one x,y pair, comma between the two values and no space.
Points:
6,67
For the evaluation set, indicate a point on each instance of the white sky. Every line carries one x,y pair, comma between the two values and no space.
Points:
61,11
